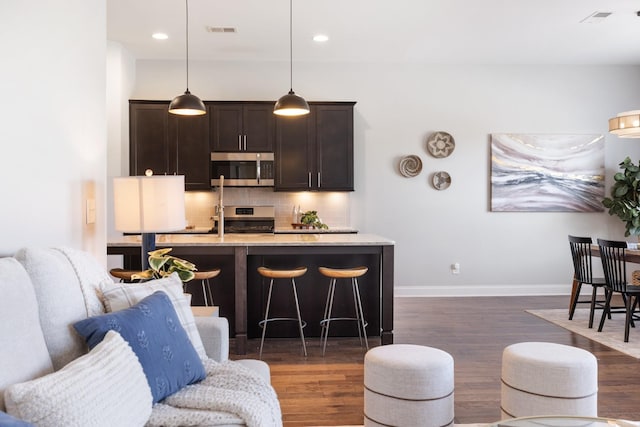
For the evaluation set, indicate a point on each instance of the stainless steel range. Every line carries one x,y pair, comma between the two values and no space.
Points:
247,219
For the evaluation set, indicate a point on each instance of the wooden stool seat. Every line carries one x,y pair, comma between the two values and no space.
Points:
343,273
282,274
122,274
274,274
204,275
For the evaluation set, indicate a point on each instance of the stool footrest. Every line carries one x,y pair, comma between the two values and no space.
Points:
292,319
323,321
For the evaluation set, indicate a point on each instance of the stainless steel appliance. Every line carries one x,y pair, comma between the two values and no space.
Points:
242,169
246,219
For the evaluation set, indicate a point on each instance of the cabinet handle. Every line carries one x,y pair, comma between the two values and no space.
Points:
245,142
239,142
319,185
258,173
309,179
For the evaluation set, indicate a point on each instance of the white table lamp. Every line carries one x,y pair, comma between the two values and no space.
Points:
149,205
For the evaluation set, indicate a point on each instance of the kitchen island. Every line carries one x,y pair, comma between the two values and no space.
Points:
239,255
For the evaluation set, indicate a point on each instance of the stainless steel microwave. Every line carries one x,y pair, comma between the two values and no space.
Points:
242,169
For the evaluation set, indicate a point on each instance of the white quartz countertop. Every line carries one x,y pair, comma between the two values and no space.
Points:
304,239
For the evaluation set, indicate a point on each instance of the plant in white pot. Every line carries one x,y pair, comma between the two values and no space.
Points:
625,196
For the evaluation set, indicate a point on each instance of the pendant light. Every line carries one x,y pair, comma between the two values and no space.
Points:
626,125
291,104
187,104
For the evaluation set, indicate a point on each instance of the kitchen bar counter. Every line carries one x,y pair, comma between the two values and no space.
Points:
250,250
259,239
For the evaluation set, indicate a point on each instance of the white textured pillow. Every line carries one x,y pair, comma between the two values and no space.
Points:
118,296
105,387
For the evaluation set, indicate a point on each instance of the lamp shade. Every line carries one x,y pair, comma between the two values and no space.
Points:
291,105
187,105
149,204
626,125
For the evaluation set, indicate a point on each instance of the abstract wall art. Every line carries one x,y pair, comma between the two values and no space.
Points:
547,173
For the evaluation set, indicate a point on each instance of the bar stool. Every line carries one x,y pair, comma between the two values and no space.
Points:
343,273
204,277
282,274
122,274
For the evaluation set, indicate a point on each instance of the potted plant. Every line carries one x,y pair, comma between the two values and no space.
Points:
161,265
311,219
624,197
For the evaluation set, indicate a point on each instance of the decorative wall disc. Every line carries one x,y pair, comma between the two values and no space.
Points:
441,180
410,166
440,144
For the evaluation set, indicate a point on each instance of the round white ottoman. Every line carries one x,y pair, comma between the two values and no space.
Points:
408,385
541,378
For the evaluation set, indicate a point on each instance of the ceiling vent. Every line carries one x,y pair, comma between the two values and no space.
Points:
221,29
595,17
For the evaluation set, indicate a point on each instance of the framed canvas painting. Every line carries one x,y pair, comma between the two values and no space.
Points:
547,173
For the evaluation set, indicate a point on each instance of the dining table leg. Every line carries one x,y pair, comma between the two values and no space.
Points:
574,291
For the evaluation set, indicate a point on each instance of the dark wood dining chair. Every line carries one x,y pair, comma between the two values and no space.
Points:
583,275
612,254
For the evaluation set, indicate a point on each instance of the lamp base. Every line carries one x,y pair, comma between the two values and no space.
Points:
148,245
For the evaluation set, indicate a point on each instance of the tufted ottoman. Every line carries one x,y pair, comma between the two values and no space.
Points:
540,378
408,385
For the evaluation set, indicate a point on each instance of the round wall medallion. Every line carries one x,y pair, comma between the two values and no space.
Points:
440,144
410,166
441,180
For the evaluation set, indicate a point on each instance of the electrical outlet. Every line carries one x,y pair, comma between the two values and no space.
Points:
455,268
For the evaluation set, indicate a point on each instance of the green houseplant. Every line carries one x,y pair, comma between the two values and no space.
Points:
624,197
161,265
311,219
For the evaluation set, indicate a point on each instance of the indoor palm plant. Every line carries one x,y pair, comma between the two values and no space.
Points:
161,265
624,197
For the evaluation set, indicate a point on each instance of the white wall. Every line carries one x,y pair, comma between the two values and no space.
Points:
52,131
120,78
398,106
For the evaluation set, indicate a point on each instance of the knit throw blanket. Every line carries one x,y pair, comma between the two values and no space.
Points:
230,395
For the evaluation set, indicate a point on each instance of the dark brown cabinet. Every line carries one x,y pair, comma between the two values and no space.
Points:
169,144
242,126
315,152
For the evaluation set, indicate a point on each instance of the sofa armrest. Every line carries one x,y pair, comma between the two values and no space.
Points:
214,332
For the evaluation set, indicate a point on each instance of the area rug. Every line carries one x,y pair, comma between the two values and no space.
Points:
612,334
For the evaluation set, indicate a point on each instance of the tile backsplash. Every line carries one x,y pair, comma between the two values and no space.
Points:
332,207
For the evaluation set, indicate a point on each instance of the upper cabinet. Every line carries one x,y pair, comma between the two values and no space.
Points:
315,152
242,126
169,144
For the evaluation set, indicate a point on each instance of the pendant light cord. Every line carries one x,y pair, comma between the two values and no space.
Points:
187,40
291,45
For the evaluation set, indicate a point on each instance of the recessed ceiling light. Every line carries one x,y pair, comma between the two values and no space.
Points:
160,36
320,38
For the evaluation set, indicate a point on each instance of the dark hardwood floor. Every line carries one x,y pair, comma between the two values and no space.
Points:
329,390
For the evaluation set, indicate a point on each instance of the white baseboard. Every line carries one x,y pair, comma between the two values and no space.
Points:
481,290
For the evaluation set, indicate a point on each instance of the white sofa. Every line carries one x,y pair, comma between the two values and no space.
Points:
48,373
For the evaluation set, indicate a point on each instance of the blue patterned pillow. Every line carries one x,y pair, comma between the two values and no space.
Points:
153,331
7,420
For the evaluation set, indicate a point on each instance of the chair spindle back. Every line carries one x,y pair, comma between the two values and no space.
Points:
581,255
614,265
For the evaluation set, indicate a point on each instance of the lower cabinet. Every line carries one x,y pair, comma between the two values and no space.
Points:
315,152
